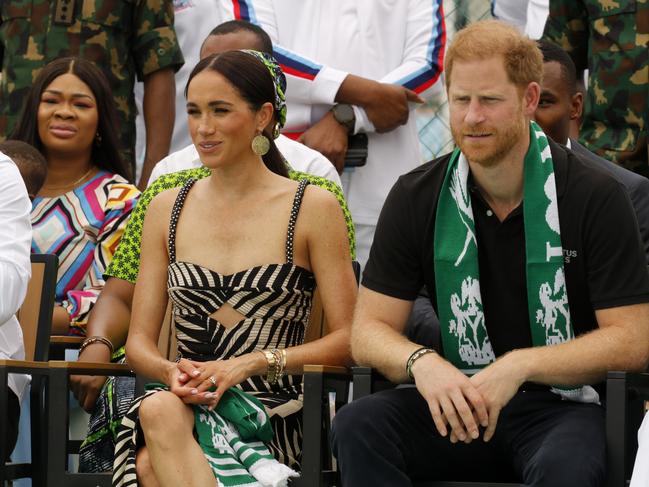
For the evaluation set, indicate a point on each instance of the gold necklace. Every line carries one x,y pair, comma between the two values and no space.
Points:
70,185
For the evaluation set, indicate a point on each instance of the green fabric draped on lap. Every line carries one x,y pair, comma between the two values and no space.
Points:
233,436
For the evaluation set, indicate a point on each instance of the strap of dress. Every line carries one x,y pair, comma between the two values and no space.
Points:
297,201
175,214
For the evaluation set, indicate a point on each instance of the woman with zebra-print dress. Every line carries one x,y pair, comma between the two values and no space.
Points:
238,254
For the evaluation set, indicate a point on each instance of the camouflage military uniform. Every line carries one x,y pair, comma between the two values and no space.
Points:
610,38
124,38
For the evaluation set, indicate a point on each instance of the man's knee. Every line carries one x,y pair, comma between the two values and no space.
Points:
372,419
368,441
347,424
563,469
573,463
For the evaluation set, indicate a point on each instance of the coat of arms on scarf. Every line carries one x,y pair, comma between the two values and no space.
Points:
468,325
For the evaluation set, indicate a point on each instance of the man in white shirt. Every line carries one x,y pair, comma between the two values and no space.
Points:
356,67
15,271
528,16
240,34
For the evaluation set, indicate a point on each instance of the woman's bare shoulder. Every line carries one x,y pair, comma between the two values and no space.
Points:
320,209
319,200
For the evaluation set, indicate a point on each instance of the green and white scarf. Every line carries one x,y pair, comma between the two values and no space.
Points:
232,438
464,334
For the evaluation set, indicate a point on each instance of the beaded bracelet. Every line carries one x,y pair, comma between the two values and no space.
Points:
414,356
97,339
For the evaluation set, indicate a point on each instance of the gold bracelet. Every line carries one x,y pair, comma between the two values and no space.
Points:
273,366
278,365
280,355
97,339
283,351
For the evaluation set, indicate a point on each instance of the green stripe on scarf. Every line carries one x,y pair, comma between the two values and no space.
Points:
464,333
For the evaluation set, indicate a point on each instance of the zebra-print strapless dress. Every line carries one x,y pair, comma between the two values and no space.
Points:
275,300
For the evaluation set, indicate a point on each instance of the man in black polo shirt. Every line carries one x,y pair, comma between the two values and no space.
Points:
535,267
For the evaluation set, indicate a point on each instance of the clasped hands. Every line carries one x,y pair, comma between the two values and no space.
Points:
462,403
206,382
387,107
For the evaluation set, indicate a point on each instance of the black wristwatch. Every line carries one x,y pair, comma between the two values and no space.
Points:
344,115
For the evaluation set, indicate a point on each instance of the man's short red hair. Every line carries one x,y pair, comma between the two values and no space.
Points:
491,38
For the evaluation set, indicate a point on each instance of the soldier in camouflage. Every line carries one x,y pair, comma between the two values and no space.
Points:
610,39
125,38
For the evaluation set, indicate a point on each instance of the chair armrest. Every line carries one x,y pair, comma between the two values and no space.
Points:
634,382
72,341
91,368
331,370
24,367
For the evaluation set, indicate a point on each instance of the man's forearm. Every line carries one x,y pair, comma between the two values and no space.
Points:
386,105
159,107
377,345
585,360
355,90
377,340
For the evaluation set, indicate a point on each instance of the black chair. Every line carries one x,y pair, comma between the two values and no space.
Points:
35,318
59,445
626,394
318,465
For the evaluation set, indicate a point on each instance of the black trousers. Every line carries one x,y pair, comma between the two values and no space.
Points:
389,439
12,422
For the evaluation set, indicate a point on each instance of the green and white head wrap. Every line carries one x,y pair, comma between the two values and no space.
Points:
279,80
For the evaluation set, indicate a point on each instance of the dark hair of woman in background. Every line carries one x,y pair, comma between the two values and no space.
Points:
82,208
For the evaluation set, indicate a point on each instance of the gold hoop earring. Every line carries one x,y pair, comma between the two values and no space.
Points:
260,144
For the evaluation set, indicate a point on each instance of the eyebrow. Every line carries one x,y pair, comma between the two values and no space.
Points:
211,104
479,95
74,95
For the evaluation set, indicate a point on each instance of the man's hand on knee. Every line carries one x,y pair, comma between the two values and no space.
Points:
452,398
497,384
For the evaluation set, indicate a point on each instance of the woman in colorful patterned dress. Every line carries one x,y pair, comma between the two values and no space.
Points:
238,254
82,209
